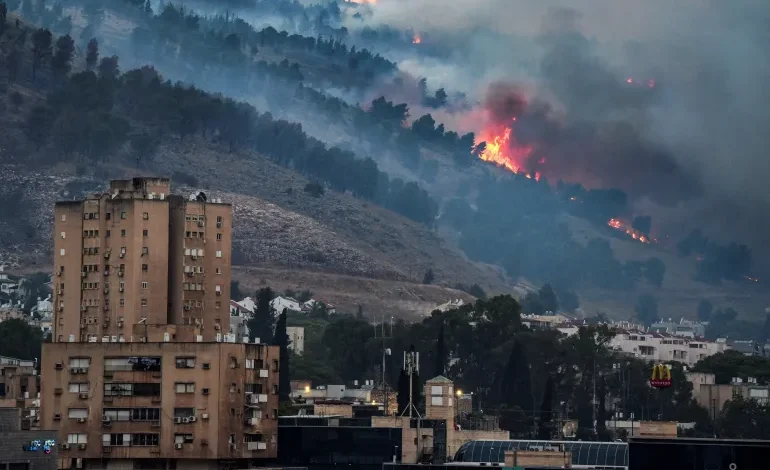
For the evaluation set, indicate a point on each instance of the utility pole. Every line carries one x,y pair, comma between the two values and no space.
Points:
412,367
385,352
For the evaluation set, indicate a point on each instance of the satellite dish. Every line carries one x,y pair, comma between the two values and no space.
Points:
201,196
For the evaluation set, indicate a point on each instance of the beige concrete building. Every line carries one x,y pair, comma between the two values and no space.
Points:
713,396
136,254
296,336
142,371
190,404
417,441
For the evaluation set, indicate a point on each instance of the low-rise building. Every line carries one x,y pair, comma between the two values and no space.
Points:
659,347
296,336
713,396
25,449
192,404
280,303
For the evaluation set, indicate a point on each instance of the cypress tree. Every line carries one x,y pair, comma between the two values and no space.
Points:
546,412
281,339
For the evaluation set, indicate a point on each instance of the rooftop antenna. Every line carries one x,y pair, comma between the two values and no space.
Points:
412,367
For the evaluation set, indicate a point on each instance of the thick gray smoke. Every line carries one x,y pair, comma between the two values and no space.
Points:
702,127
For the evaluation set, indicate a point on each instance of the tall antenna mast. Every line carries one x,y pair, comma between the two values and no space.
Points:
412,367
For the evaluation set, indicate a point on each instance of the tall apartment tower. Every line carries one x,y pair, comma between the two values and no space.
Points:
139,255
141,372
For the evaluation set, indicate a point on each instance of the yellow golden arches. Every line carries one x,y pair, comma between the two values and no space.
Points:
661,376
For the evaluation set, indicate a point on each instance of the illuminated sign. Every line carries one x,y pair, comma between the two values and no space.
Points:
661,376
37,445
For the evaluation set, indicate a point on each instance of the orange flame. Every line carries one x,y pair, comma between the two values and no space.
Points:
416,39
633,233
503,150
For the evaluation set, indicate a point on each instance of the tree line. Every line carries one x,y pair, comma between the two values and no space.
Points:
532,380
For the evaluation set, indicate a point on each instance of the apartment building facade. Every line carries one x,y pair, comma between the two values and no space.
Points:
138,253
193,404
142,371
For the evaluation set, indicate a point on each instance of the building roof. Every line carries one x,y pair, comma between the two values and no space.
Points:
439,379
584,453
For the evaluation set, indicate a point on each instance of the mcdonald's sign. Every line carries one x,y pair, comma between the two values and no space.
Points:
661,376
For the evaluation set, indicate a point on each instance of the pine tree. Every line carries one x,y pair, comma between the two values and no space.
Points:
41,48
92,54
281,339
60,63
440,353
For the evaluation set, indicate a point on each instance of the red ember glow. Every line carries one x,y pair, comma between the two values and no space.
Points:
503,149
631,232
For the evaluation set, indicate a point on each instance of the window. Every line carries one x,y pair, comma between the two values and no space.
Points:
275,389
185,387
81,438
218,270
275,365
217,304
145,414
184,412
117,414
219,253
183,438
108,234
63,218
145,267
219,236
122,302
145,216
145,250
63,235
116,440
200,251
144,302
185,362
80,362
61,252
77,413
107,216
145,232
249,363
118,389
219,219
144,284
123,232
145,439
122,215
77,387
187,252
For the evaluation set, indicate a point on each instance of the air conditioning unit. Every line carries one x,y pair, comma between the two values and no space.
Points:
185,420
105,419
60,292
82,420
57,417
187,307
120,324
65,446
120,274
58,391
192,419
177,420
178,446
200,223
253,399
122,255
58,273
83,308
205,416
190,273
58,366
262,398
106,290
205,391
82,446
84,396
106,255
217,327
253,421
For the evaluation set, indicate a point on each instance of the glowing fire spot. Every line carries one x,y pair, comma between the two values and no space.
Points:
751,279
503,150
416,39
629,80
633,233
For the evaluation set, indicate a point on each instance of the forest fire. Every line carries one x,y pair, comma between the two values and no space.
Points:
630,231
416,39
503,150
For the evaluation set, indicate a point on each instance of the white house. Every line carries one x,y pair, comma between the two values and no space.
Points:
280,303
238,310
248,304
657,347
308,306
